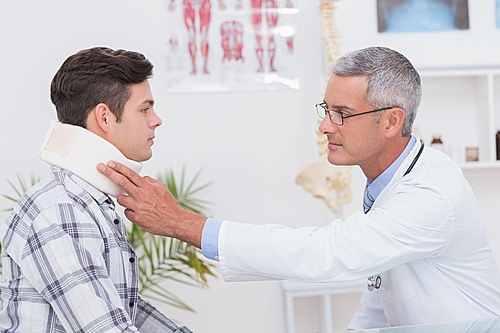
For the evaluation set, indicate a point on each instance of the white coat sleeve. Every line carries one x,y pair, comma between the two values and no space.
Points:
370,314
397,232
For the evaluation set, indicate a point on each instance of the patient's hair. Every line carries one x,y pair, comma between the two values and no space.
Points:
93,76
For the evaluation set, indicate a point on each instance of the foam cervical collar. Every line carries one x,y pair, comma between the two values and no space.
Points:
78,150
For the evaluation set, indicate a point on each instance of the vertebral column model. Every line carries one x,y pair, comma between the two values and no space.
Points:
289,39
270,10
190,7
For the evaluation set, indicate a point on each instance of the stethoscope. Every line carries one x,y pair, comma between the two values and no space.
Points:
375,281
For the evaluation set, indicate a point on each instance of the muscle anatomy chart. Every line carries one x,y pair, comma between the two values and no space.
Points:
228,45
232,40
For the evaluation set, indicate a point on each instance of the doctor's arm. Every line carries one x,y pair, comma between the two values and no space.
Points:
151,206
400,231
342,251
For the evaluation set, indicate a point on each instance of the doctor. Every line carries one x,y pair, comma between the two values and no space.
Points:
420,241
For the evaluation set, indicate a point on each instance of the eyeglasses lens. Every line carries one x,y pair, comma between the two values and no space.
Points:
321,111
335,117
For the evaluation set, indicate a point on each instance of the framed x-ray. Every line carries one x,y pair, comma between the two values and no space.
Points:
422,15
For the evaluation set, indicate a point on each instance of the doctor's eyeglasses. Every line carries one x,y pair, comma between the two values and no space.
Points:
338,117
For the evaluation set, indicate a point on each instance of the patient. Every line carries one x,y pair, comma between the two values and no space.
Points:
67,261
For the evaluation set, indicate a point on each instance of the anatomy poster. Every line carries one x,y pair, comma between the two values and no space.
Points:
229,45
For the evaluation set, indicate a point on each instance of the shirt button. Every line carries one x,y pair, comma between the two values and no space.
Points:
116,221
131,259
131,304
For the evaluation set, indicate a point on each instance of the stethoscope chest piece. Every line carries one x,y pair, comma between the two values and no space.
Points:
374,282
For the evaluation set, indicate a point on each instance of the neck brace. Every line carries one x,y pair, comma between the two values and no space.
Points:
78,150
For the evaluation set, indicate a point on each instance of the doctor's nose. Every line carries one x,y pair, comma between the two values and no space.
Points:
326,126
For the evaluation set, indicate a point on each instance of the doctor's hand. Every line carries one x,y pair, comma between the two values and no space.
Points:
151,206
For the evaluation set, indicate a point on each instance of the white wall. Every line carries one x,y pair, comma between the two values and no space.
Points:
251,144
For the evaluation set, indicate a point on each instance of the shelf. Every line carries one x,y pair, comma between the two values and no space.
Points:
463,106
479,165
456,72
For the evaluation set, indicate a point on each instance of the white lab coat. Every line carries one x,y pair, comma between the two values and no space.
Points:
424,235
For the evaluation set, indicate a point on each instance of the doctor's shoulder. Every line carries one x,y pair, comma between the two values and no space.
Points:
440,178
439,169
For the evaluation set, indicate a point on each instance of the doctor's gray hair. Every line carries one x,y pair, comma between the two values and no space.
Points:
392,80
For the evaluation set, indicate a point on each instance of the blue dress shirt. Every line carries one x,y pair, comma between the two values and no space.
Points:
377,186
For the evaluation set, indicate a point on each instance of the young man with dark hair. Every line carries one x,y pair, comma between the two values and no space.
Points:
67,261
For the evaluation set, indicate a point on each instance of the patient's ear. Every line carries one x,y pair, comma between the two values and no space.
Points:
98,120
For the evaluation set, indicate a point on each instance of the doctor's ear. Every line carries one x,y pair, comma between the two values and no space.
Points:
394,122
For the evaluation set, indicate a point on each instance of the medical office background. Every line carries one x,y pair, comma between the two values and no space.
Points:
252,144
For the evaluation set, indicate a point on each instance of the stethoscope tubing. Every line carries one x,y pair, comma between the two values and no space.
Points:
374,281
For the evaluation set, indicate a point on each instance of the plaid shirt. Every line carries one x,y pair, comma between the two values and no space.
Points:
69,266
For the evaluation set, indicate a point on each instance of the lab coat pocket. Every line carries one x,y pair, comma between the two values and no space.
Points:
397,284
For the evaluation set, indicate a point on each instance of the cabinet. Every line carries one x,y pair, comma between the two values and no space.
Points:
463,106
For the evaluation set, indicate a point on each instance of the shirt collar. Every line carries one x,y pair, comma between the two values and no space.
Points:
378,185
97,195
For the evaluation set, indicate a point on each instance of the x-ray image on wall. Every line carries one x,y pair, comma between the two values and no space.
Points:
422,15
498,13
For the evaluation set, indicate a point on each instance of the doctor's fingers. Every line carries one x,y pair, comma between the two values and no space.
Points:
150,198
122,176
128,202
149,219
135,218
132,216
